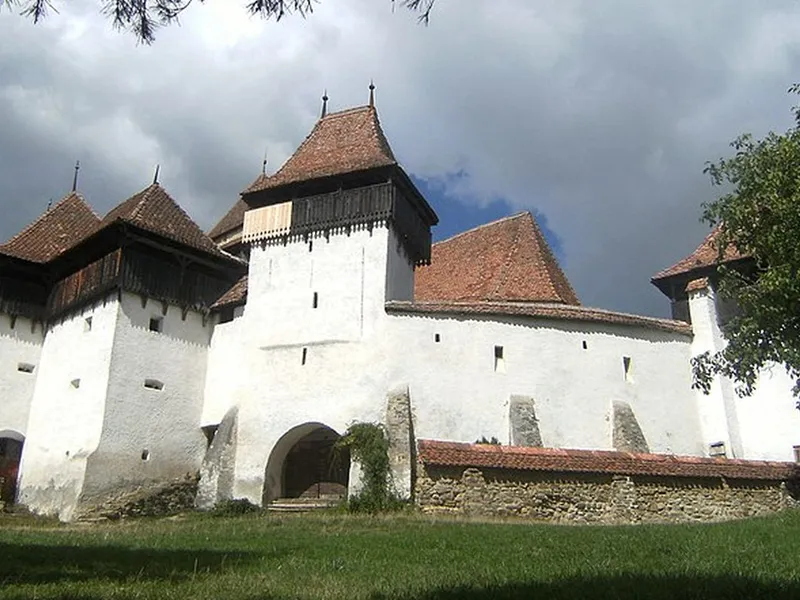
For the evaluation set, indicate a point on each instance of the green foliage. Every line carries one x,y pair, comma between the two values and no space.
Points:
494,441
761,217
234,508
369,445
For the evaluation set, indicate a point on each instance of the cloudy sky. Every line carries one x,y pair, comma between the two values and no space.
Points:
597,115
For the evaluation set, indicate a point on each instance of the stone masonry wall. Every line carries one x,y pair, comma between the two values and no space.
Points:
595,498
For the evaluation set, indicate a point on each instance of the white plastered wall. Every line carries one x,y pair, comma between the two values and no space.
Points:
20,345
65,421
763,426
151,434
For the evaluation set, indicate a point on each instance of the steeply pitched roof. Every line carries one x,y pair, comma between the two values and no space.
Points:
507,260
705,255
341,142
432,452
56,230
236,295
233,219
537,310
154,210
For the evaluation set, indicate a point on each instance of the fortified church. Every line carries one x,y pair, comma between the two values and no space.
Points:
137,349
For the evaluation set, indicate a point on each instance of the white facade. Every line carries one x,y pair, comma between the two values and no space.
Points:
20,351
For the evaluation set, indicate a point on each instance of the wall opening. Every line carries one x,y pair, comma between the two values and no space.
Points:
210,431
437,338
585,345
303,464
10,453
499,360
627,368
315,300
717,449
76,383
796,453
87,324
25,367
305,355
310,245
156,324
154,384
145,454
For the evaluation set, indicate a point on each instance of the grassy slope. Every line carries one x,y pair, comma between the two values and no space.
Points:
337,556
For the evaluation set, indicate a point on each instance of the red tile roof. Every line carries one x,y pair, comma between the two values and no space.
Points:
705,255
508,260
341,142
154,210
235,296
538,310
56,230
455,454
233,219
697,284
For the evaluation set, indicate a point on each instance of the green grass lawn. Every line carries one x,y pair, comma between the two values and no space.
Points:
402,556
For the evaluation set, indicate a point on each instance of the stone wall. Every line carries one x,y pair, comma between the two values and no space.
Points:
596,497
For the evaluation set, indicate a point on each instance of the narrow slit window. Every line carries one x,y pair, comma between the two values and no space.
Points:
315,300
154,384
437,338
25,367
87,324
310,245
499,360
796,453
304,357
145,454
585,345
627,367
156,324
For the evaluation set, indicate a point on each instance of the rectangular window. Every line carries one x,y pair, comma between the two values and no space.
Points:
437,338
25,367
627,368
796,454
499,360
717,449
315,300
154,384
305,356
157,324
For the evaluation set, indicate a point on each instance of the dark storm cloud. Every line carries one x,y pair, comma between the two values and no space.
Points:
600,115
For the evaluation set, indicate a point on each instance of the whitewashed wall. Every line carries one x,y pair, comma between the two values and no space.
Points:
19,345
355,354
763,426
65,422
161,425
457,395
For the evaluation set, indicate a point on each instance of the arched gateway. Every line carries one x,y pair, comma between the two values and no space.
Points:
304,464
10,453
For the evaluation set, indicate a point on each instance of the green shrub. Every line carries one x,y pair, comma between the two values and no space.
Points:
234,508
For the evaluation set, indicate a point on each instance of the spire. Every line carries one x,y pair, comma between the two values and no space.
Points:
324,104
371,93
75,176
155,175
264,164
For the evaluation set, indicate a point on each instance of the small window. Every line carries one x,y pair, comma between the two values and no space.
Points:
153,384
499,360
76,383
437,338
315,300
627,368
796,453
145,454
87,324
585,345
717,449
25,367
305,355
157,324
310,245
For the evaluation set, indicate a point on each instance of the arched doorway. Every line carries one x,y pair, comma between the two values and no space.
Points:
305,464
10,453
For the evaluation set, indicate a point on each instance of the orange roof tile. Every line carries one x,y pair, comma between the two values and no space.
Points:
154,210
538,310
236,295
233,219
341,142
507,260
705,255
432,452
56,230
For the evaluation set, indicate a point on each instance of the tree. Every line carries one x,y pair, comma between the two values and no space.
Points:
143,17
760,218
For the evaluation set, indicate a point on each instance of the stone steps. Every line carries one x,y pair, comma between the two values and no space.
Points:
297,505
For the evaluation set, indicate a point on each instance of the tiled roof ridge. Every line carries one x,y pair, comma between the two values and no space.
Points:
484,226
435,452
558,278
48,211
546,310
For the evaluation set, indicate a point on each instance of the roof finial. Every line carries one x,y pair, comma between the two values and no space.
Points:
266,160
155,176
75,176
324,103
371,93
49,203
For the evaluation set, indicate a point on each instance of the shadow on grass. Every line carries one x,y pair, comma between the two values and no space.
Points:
35,563
622,587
